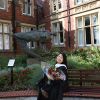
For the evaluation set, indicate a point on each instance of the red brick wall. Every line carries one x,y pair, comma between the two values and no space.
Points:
23,18
47,22
7,15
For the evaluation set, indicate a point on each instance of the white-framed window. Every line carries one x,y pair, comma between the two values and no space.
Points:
42,28
57,29
30,44
77,2
56,5
42,45
88,32
3,4
27,7
4,36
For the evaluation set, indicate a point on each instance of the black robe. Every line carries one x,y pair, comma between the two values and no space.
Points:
55,88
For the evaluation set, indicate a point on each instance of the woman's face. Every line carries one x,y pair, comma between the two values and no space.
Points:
59,58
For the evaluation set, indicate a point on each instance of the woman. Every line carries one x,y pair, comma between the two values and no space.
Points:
53,88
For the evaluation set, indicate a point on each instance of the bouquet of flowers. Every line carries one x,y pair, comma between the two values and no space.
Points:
50,72
54,73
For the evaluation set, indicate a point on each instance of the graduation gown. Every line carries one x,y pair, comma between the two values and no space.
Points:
58,86
42,84
55,88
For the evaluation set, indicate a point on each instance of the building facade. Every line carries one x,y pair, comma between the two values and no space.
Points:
15,16
87,19
73,23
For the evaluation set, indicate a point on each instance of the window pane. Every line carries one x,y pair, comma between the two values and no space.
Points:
59,4
0,28
60,26
61,37
5,28
86,0
55,27
29,1
88,35
27,7
78,1
61,32
32,44
87,21
6,42
24,6
42,28
27,29
80,37
22,29
79,22
29,45
1,42
96,34
54,5
56,39
94,19
2,3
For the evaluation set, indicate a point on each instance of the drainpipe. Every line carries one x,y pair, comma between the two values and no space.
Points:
13,31
69,22
14,23
37,19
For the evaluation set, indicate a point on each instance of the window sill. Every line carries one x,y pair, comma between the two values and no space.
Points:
89,45
78,5
3,51
59,45
57,11
27,14
2,8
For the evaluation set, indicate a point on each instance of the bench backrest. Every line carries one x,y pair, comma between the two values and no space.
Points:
86,80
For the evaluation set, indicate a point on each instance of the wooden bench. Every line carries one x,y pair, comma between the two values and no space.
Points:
84,80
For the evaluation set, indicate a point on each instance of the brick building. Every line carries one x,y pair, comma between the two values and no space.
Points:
15,16
74,23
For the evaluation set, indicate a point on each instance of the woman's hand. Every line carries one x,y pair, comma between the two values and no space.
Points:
44,93
50,77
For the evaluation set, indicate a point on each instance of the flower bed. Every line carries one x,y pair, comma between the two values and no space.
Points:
23,79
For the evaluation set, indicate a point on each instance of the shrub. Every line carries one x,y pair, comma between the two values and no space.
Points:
23,79
47,55
3,62
85,57
19,61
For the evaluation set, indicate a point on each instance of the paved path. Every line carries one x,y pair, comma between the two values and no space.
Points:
34,98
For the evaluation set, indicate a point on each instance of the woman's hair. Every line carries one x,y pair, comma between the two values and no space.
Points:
64,58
